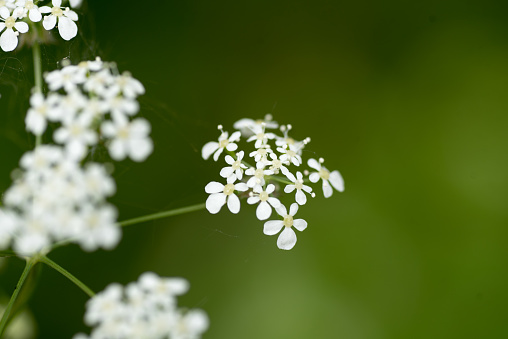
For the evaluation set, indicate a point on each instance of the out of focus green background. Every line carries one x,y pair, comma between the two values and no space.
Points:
406,98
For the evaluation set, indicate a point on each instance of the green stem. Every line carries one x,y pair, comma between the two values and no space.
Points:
68,275
279,179
36,50
164,214
7,254
5,317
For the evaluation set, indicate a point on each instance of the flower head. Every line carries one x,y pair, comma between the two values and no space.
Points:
287,238
225,142
11,27
334,178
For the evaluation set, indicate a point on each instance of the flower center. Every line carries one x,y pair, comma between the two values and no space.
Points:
57,11
260,136
123,133
324,174
42,110
290,141
263,196
262,151
259,173
288,221
223,143
29,4
291,153
276,163
75,130
299,184
236,164
9,22
229,189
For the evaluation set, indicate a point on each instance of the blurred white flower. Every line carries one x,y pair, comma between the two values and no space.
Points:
249,126
41,110
287,238
129,139
328,178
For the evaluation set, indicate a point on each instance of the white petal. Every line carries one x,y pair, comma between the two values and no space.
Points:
281,210
327,189
314,177
215,202
45,9
273,227
35,15
313,163
241,187
2,26
117,150
229,159
8,40
4,12
252,200
287,239
270,188
217,154
300,224
22,27
337,181
226,172
140,149
263,211
71,15
289,188
235,136
300,197
293,209
232,147
214,187
57,3
290,176
306,188
274,202
67,28
234,203
208,149
49,22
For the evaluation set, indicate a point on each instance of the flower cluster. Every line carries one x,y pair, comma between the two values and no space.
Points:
55,199
92,103
143,309
14,15
266,175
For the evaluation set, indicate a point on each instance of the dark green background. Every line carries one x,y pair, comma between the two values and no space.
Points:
406,98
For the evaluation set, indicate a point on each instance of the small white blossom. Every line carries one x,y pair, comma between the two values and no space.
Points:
127,85
76,135
300,197
261,154
290,154
67,78
216,148
264,210
248,126
130,139
236,167
260,136
220,193
258,175
65,18
287,238
277,165
41,110
27,7
328,178
9,37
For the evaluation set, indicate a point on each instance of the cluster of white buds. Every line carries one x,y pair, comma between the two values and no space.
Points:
92,103
267,175
14,15
55,199
143,309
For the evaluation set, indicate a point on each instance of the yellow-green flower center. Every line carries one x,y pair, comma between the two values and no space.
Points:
324,174
29,4
9,22
288,221
236,164
299,184
291,153
57,11
123,133
259,173
263,196
229,189
223,143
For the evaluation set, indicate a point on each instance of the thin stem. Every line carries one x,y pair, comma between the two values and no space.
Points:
68,275
279,179
5,317
36,50
7,254
161,215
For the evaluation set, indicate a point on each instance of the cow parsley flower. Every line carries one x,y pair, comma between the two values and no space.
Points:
11,29
248,126
129,139
27,7
287,238
143,309
225,142
328,178
300,187
260,137
258,175
236,168
220,193
65,18
264,210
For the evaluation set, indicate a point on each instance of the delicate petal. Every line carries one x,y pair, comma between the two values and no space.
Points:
226,172
235,136
314,177
300,197
8,40
208,149
215,202
214,187
232,147
300,224
313,163
273,227
21,26
263,211
71,15
293,209
287,239
4,12
241,187
270,188
67,28
35,15
45,9
281,210
217,154
337,181
57,3
274,202
49,22
290,176
289,188
252,200
229,160
306,188
234,203
327,189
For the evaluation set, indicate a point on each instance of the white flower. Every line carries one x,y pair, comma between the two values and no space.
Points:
328,178
121,107
287,238
104,305
65,17
68,78
264,210
217,147
128,86
75,3
130,139
101,230
9,222
258,175
25,7
98,82
40,111
248,126
77,135
189,325
220,193
9,37
236,168
277,165
261,154
260,136
8,4
300,197
290,154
